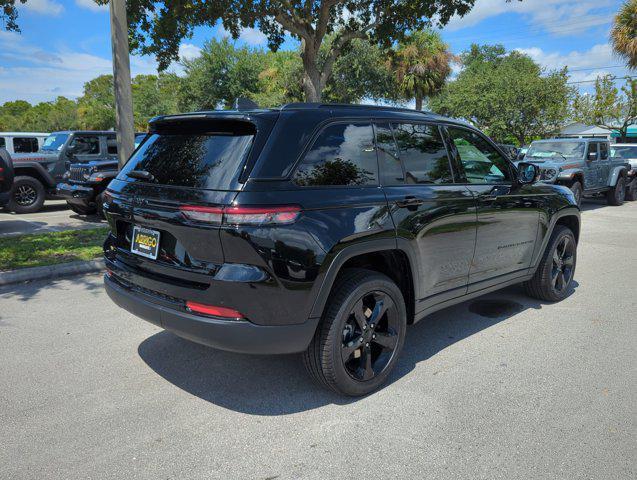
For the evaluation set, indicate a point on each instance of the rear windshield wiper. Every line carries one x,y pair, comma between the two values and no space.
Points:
141,174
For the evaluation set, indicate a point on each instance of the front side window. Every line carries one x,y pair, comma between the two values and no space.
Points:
592,154
481,162
2,142
85,145
422,153
25,144
342,154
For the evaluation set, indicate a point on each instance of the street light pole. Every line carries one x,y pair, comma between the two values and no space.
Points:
122,82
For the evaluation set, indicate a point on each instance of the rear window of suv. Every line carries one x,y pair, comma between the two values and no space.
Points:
207,160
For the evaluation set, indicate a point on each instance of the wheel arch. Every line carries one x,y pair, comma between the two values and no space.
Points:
616,174
35,171
569,217
390,257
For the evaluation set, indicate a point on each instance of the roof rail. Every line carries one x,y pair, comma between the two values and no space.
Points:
314,105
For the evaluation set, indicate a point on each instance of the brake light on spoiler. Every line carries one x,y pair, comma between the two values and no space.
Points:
242,215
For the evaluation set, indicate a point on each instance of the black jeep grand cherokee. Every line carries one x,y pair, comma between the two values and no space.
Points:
326,229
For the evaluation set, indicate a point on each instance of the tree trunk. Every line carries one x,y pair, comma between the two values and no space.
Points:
312,84
418,102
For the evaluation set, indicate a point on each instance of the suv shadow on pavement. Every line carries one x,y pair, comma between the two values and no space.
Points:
274,385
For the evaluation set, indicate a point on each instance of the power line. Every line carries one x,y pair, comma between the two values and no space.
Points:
593,81
593,68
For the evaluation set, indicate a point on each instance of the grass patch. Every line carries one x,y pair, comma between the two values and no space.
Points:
50,248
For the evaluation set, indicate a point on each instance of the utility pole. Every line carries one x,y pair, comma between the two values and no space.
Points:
122,83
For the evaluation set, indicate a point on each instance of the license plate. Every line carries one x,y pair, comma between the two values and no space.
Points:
145,242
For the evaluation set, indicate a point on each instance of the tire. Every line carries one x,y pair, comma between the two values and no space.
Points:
615,196
333,358
80,209
99,202
631,191
27,195
577,190
544,284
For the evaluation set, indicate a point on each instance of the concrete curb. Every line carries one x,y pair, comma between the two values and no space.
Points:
51,271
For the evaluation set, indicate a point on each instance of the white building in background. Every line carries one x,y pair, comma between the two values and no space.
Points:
580,130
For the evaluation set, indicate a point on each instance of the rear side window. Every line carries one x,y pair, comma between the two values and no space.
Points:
603,151
25,144
342,154
111,145
199,160
423,153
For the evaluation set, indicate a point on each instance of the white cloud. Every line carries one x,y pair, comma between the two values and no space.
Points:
188,51
582,65
251,36
43,7
91,5
41,76
558,17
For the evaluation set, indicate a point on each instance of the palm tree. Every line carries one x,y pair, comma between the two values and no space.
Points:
624,33
422,65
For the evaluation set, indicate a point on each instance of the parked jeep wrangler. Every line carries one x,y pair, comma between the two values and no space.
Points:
37,174
326,229
627,152
584,165
83,184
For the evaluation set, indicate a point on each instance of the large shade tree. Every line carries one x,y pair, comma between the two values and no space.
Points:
507,95
624,33
158,27
422,63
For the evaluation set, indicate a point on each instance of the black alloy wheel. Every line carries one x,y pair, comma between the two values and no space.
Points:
370,336
361,333
554,275
27,195
563,264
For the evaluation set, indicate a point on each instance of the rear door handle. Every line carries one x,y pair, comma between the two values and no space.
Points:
408,202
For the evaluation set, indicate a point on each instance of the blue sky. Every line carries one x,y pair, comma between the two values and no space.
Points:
65,43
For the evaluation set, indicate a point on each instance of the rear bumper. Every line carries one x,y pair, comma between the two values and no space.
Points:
231,335
70,191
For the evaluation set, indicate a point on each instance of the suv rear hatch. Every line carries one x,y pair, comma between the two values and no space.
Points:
188,168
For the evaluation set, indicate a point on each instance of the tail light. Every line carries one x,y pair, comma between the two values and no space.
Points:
238,215
214,311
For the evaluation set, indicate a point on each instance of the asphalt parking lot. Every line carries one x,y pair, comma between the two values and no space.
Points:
54,216
516,389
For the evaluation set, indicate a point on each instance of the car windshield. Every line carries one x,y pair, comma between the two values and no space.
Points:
53,143
624,152
556,150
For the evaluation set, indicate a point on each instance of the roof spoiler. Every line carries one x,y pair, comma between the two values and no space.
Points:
242,103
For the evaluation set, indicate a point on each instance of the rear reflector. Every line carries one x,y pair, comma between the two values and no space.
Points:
237,215
214,311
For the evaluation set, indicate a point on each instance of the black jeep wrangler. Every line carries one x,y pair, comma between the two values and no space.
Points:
326,229
6,177
83,184
37,174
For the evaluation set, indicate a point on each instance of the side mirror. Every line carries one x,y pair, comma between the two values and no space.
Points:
592,156
527,173
71,150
